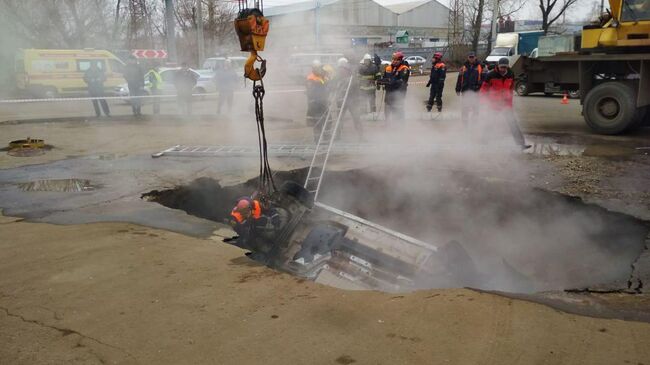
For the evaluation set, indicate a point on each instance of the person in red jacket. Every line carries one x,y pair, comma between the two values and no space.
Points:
497,91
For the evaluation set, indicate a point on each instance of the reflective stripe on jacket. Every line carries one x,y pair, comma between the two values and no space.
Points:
154,79
256,212
396,78
469,77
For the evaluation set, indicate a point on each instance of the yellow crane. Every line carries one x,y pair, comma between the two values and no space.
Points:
626,26
610,69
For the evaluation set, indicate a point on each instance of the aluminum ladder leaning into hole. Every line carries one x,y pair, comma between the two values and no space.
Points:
325,142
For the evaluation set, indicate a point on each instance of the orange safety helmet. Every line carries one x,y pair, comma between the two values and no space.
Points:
243,205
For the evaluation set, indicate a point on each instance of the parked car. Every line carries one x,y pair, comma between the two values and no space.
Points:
213,63
204,83
417,63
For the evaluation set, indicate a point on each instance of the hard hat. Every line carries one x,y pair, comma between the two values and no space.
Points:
243,204
342,61
437,55
316,66
398,55
503,61
367,57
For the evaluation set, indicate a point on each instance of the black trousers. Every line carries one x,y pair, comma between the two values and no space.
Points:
97,102
395,101
435,95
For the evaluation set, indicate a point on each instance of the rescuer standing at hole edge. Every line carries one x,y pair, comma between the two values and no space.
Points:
368,76
497,91
395,82
436,82
317,95
469,83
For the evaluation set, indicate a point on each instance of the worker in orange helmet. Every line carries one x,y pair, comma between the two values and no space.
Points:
436,82
251,219
395,83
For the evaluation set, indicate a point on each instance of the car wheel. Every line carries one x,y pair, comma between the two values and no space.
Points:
199,90
522,88
49,93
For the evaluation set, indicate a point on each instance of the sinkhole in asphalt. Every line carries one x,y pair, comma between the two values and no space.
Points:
555,242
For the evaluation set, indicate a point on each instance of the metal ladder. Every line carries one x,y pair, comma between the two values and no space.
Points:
325,141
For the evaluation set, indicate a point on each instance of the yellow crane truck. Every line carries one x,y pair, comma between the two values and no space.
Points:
610,68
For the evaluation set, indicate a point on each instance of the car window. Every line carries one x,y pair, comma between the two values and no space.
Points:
83,65
116,66
49,65
20,66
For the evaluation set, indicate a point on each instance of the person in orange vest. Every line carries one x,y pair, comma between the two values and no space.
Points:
249,219
436,82
496,93
317,97
467,86
395,82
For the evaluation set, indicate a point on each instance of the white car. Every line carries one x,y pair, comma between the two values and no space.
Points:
416,60
204,83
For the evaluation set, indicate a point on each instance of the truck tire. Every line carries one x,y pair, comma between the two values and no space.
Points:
610,108
521,88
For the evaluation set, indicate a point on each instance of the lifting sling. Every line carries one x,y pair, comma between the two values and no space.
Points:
252,27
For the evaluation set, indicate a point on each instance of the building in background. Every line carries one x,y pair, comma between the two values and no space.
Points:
342,24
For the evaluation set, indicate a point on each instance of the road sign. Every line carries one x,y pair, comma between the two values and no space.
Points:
149,53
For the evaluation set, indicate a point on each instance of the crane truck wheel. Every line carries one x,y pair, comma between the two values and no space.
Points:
610,108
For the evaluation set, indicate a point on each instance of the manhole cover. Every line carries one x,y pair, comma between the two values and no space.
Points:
58,185
26,147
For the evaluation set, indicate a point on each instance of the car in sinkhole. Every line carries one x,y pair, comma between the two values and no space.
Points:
329,246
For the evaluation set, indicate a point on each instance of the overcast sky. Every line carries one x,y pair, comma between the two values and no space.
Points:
530,10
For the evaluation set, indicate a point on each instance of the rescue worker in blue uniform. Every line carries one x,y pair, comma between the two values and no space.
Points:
436,82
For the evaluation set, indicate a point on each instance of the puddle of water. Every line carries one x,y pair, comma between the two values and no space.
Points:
545,146
58,185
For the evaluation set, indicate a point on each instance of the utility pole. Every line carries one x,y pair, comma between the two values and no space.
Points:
495,16
171,31
602,7
199,31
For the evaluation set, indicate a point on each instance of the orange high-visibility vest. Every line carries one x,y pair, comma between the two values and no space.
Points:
401,68
256,212
314,77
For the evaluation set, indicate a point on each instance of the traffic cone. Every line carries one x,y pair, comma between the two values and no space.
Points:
565,99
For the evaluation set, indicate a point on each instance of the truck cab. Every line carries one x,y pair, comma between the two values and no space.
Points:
626,28
513,45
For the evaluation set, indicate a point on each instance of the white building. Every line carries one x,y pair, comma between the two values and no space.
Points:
341,24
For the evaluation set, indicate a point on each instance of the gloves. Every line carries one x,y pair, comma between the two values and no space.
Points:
428,84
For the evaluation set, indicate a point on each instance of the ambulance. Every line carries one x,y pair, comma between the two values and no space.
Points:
49,73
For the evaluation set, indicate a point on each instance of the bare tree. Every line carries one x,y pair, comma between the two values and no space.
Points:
480,11
552,10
